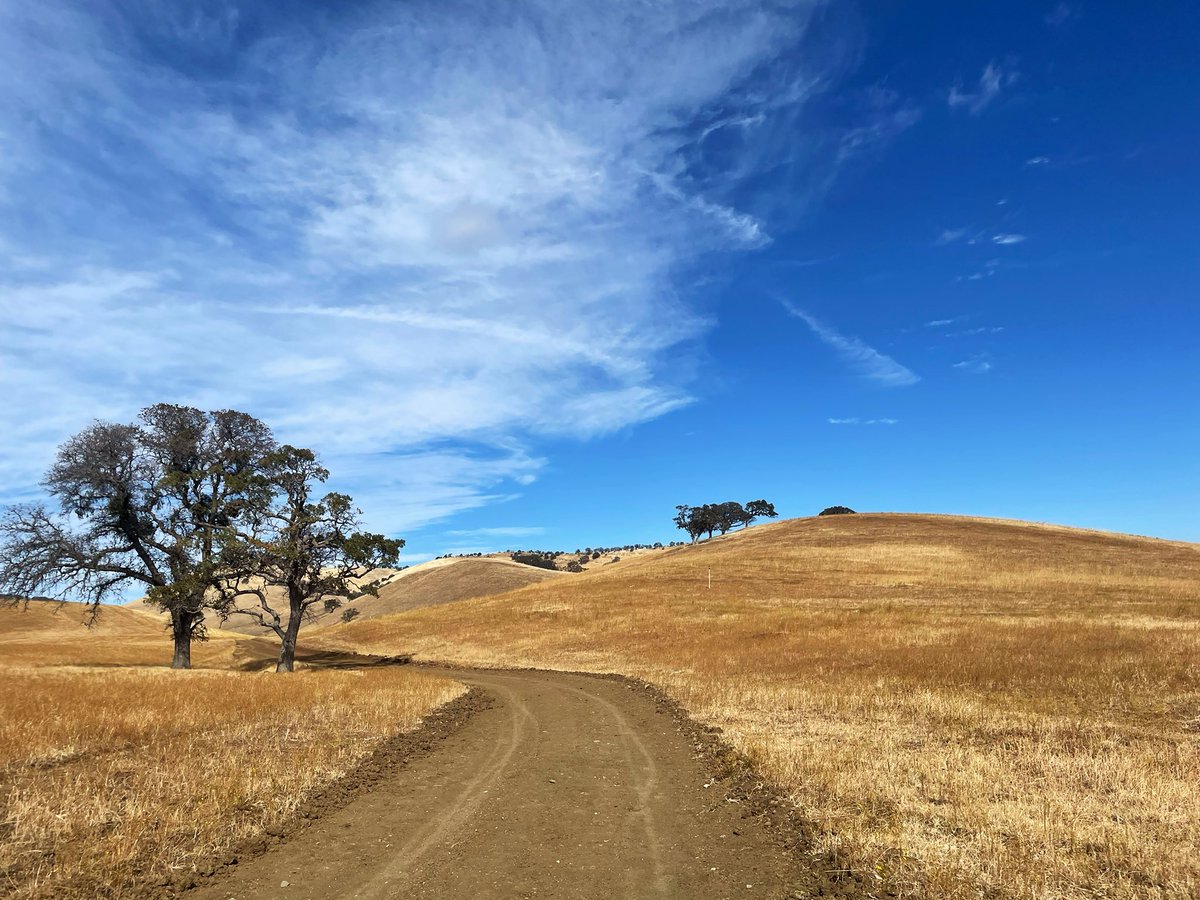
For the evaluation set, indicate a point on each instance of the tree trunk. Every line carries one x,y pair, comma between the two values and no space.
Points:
287,645
181,631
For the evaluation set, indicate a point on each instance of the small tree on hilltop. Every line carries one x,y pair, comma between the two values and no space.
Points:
300,552
151,504
759,509
726,515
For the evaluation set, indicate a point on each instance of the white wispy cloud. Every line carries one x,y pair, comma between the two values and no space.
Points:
1038,161
857,421
990,268
992,81
1008,238
505,531
418,238
976,365
886,115
950,235
864,359
1062,14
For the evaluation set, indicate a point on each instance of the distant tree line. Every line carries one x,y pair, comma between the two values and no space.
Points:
720,517
202,510
549,559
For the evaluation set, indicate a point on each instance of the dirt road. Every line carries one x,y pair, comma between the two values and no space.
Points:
567,786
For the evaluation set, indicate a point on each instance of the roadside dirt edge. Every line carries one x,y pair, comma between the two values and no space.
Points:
390,757
823,873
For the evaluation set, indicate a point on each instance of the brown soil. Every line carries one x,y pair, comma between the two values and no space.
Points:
559,785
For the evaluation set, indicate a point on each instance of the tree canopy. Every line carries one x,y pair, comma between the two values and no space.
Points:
151,503
720,517
298,551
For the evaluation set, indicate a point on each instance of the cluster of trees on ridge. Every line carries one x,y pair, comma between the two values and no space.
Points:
698,520
205,511
548,559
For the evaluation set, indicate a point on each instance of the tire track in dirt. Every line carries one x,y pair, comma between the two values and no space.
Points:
566,786
462,807
645,784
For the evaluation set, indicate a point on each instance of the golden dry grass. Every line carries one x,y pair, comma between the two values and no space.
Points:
45,633
444,581
112,778
966,707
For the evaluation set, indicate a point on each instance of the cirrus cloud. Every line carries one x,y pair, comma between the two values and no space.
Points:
418,237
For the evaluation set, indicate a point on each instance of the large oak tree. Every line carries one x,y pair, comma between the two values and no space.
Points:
151,504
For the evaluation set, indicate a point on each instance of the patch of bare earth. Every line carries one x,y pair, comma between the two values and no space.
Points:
562,785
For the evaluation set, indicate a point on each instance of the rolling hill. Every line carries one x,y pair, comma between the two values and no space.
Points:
427,584
48,633
446,580
966,707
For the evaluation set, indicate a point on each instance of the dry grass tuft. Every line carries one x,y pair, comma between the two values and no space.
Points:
966,707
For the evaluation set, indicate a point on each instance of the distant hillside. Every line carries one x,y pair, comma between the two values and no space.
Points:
45,632
572,560
427,584
246,625
446,581
847,563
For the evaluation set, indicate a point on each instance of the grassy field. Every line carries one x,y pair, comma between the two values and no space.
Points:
53,634
132,774
969,708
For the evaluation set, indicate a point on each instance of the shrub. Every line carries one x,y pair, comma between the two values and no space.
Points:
350,615
836,511
535,559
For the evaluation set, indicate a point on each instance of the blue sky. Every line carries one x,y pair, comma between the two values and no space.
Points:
530,274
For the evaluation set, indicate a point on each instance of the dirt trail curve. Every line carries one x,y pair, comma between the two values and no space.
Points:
567,786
